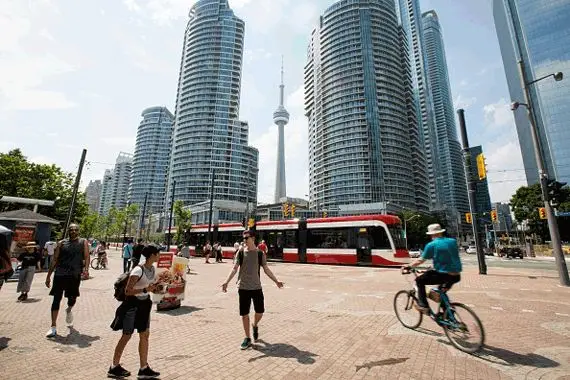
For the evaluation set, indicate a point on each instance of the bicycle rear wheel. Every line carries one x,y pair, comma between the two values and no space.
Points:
405,311
463,328
95,263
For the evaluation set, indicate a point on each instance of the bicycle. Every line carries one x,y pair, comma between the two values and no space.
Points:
447,316
99,262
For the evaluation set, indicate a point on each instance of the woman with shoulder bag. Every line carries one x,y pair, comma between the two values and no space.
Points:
134,313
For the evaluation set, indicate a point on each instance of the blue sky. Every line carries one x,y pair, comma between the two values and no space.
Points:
77,74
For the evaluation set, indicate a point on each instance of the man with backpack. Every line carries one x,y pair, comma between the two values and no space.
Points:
249,260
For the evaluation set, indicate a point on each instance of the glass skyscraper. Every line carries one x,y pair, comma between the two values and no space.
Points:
365,150
151,158
208,136
538,32
409,14
447,147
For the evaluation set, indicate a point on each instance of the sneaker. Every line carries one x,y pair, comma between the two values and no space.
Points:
21,297
421,309
117,372
255,333
69,317
245,344
25,297
147,373
52,332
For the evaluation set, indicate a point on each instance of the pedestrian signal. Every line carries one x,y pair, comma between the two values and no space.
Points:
494,215
293,210
542,212
481,169
468,218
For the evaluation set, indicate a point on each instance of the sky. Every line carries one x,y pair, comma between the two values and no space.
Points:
77,74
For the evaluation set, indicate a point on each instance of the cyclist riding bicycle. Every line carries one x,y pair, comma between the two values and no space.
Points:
101,252
446,262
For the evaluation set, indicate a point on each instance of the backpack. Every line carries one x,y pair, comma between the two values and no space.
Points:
121,285
259,258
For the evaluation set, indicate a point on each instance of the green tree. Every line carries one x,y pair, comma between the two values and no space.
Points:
89,224
416,226
21,178
183,221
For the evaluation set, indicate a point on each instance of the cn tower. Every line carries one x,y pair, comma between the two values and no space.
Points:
280,117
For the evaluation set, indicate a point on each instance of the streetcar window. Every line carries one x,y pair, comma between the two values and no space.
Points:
332,238
379,238
291,237
397,234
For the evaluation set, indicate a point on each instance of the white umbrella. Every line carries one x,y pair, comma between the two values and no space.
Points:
4,230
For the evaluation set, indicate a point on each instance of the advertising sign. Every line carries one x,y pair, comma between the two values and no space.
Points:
171,280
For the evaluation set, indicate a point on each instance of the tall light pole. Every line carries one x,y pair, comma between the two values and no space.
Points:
406,227
542,173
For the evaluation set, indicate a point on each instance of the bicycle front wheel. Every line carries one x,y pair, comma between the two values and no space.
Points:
405,311
95,263
463,328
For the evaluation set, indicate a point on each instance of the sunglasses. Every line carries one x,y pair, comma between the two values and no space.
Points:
247,237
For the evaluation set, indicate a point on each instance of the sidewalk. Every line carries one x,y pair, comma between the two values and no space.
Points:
329,322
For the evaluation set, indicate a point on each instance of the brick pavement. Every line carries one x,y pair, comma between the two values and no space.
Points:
328,323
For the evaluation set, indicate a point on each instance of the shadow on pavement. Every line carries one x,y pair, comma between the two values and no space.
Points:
502,356
509,358
4,343
379,363
31,300
282,350
182,310
428,331
532,277
75,338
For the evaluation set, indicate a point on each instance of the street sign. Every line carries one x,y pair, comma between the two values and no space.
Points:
563,213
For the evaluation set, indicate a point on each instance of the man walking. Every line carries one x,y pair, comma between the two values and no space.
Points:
127,255
70,258
50,248
248,261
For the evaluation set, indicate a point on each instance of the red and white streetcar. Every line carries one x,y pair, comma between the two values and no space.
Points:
363,239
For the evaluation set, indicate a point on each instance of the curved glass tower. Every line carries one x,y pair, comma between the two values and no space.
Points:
152,155
447,147
208,136
364,147
538,32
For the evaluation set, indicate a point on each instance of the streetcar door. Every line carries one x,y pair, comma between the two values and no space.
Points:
363,247
275,242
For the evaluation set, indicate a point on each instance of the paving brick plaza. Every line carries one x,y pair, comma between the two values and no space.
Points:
328,322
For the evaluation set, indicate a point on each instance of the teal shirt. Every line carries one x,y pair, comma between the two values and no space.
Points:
127,251
444,253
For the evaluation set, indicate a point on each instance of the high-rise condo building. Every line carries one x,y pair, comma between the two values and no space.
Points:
151,159
208,135
447,147
106,189
115,188
538,33
365,151
409,14
93,195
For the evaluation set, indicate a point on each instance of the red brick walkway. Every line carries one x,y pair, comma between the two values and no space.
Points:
328,323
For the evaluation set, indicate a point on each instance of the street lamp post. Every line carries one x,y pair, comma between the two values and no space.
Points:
543,174
406,227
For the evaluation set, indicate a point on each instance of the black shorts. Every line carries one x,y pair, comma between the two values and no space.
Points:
65,284
133,314
245,298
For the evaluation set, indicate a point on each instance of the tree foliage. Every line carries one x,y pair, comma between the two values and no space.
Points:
416,226
22,178
183,221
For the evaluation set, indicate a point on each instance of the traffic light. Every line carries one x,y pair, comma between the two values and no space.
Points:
481,169
494,215
468,218
542,212
251,223
292,210
285,210
554,189
324,214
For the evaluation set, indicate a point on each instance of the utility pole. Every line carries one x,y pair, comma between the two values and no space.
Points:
141,222
543,176
472,188
170,217
75,189
211,207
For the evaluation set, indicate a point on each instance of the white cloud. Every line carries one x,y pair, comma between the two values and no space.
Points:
21,72
498,115
296,99
466,103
